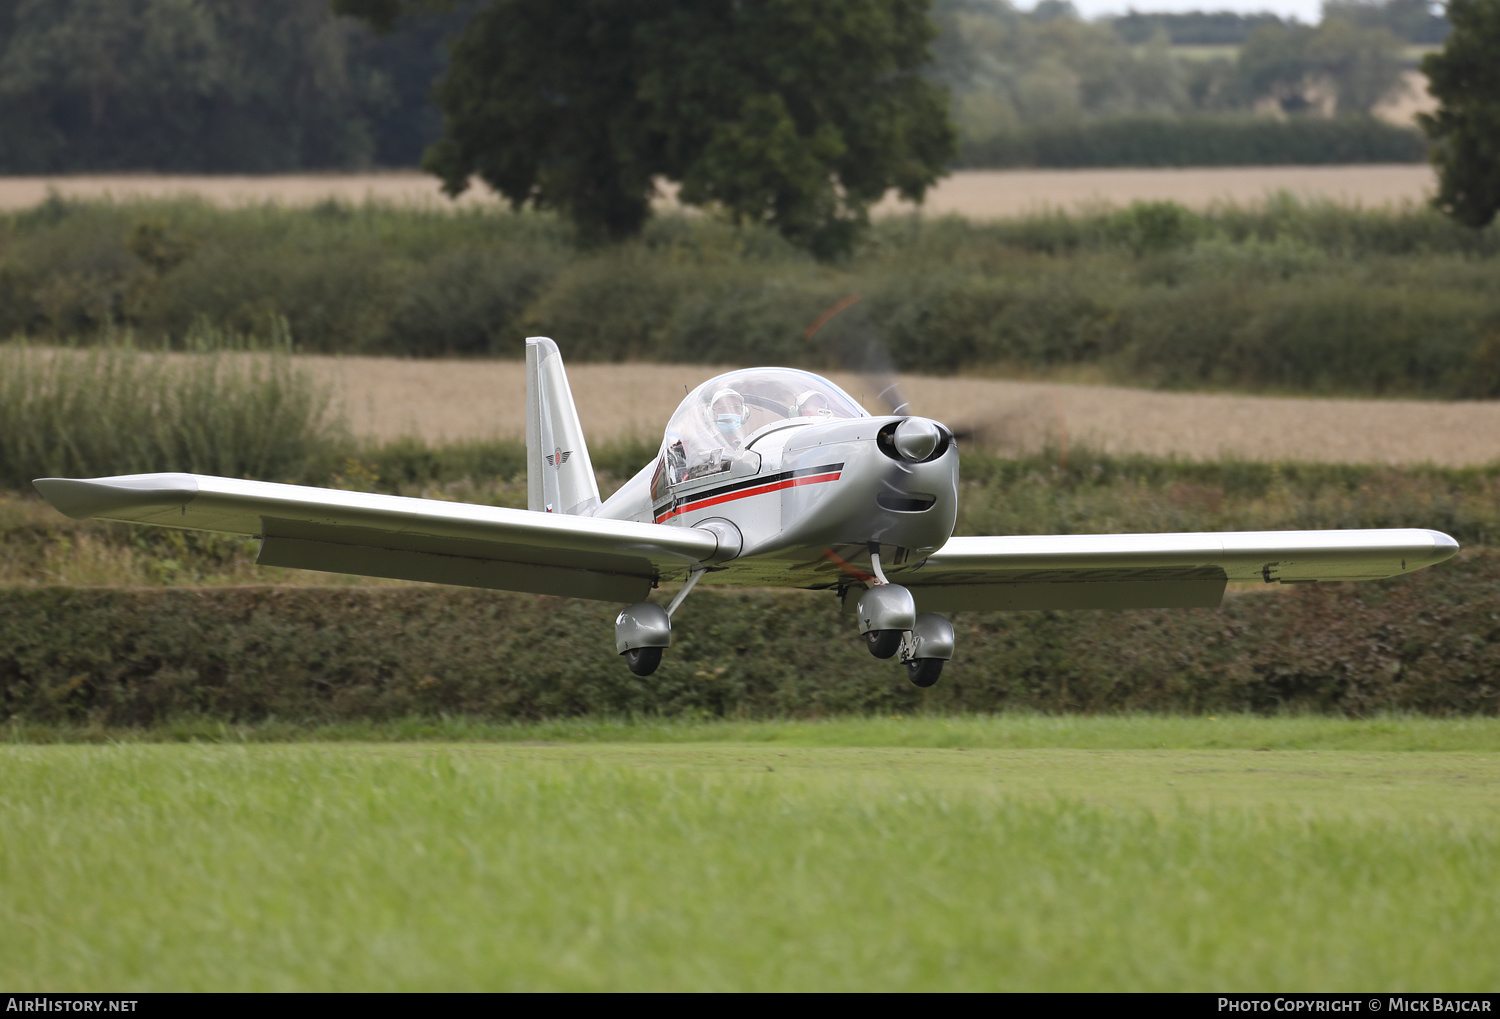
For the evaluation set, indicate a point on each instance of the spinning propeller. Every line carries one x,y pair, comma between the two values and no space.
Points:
852,344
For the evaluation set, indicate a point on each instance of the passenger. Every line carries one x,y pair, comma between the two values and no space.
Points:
727,409
813,404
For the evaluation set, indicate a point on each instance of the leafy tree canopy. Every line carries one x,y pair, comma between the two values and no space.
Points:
1412,20
1465,129
229,86
133,84
1191,28
796,113
1359,65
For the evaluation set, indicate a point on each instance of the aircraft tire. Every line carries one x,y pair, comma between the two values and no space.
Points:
924,672
644,660
883,643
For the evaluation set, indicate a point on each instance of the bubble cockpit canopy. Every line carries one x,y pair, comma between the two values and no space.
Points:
727,413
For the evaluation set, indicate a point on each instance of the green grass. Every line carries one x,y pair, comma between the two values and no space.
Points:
747,865
1010,731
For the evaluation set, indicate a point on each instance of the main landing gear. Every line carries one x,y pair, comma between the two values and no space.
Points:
644,630
891,626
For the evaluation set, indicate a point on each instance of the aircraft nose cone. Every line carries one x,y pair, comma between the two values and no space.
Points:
917,438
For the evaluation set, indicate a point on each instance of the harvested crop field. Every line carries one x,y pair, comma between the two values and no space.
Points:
974,193
386,398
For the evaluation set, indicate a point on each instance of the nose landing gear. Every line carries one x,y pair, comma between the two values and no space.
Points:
889,621
926,647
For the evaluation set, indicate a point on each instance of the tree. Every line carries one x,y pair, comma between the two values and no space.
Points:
247,85
796,113
1360,66
1412,20
1465,129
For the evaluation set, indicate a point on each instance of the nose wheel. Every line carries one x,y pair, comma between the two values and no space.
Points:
884,643
891,626
644,661
924,672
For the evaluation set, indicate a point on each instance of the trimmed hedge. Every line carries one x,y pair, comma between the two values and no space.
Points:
1225,140
1427,643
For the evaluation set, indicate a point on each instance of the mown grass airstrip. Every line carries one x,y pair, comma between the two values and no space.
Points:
1033,852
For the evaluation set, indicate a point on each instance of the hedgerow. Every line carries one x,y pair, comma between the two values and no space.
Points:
1424,643
1286,296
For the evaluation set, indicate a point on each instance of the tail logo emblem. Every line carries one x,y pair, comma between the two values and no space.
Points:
558,457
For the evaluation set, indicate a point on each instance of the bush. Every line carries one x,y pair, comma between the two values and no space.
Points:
1425,643
1288,296
1222,140
118,410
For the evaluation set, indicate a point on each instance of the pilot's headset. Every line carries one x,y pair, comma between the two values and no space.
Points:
813,404
727,412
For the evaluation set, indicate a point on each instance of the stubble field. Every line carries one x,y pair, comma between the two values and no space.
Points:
447,401
780,858
978,194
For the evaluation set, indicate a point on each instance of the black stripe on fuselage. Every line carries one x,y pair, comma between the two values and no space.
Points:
770,479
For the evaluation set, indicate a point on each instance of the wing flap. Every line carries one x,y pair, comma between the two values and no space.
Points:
464,571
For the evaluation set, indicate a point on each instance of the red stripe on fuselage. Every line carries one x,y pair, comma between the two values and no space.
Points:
775,486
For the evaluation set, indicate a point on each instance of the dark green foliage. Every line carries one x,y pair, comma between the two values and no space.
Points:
268,85
1426,643
1465,129
1089,493
1413,20
1360,64
1191,28
796,114
243,85
1286,297
1015,75
1196,140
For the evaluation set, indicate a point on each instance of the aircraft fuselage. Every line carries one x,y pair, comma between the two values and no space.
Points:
809,498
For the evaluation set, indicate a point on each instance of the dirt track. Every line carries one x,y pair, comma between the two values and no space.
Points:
438,400
975,193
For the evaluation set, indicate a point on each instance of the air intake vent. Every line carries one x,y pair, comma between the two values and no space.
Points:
905,503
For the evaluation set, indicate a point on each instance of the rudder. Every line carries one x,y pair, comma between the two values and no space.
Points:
559,473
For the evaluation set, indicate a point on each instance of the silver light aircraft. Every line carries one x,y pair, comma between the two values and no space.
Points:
768,477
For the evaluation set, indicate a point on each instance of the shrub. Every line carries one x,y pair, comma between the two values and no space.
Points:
1288,296
118,410
1213,140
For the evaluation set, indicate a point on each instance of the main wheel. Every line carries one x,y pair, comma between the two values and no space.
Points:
643,660
883,643
924,671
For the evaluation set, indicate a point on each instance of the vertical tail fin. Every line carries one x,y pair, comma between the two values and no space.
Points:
559,473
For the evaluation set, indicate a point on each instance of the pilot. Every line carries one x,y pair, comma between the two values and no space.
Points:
813,404
727,409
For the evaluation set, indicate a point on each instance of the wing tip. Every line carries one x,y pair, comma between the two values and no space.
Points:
82,498
1443,546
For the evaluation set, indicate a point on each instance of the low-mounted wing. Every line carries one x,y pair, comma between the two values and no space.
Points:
402,538
1114,571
